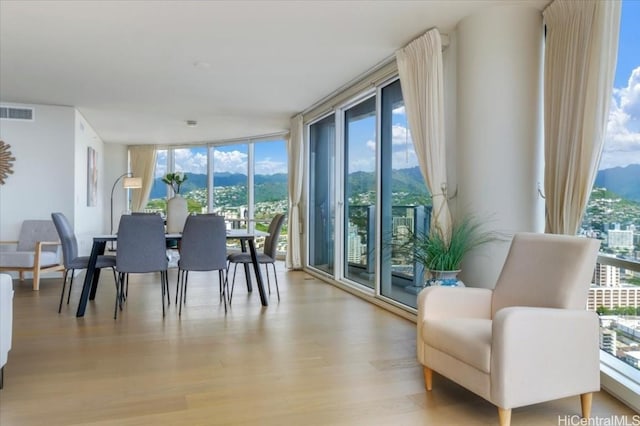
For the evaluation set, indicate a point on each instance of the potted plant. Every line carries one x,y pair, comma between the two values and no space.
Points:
177,211
175,180
443,258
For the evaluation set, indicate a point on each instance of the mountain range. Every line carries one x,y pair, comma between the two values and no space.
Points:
623,181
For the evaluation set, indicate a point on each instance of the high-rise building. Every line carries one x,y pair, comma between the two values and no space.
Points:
612,297
606,275
608,340
620,239
354,245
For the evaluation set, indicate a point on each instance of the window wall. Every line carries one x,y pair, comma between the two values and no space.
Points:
383,196
613,212
245,181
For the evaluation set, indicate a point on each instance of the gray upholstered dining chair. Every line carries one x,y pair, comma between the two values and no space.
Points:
202,248
71,259
141,249
267,257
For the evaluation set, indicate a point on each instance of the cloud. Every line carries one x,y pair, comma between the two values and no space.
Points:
190,161
229,161
270,167
400,135
398,111
622,140
161,163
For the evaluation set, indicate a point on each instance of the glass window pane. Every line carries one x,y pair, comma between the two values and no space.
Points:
613,210
360,192
230,186
230,170
193,163
405,204
322,194
158,196
270,185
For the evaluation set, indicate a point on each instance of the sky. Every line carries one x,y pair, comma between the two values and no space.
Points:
622,141
621,147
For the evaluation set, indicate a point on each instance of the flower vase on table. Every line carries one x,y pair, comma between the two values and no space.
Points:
176,214
177,211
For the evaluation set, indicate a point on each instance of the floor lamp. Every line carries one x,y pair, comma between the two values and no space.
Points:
129,182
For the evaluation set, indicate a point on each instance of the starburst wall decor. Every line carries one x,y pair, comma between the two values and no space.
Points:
6,161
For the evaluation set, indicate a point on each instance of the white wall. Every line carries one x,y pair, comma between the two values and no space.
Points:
499,132
115,164
87,220
50,172
43,180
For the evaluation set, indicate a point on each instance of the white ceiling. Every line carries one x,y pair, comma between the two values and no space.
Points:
138,69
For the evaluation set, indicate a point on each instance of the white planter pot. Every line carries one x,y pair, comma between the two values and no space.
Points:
176,214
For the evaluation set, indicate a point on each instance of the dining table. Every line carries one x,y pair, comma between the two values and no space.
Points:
91,279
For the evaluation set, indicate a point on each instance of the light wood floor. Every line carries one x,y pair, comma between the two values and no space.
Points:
319,357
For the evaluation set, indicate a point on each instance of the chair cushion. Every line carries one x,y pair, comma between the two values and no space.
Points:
466,339
33,231
246,258
26,259
81,262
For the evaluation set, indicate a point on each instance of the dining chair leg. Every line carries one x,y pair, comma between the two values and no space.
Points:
115,278
224,297
125,294
233,281
64,284
183,277
178,284
164,288
70,285
226,285
275,275
266,270
119,285
186,282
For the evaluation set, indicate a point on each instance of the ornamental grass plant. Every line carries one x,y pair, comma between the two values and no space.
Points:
433,251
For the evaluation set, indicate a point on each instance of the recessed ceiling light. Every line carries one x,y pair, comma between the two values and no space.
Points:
191,123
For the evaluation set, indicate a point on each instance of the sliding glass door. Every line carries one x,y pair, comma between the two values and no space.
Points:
363,214
360,192
322,194
405,202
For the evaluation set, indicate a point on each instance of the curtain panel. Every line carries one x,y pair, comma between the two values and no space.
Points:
580,60
295,151
142,162
421,77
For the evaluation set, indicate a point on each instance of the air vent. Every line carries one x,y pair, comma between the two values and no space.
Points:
13,113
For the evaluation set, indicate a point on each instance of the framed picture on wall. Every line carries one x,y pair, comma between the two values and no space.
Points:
92,177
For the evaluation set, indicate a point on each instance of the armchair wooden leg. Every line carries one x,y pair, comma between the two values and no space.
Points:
585,400
428,378
36,279
504,415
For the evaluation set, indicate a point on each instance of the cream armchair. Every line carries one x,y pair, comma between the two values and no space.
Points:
527,341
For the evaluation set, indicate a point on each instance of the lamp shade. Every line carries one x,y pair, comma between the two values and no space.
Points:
132,182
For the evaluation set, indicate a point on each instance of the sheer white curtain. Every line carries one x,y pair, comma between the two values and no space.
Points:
580,60
420,69
295,151
143,163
